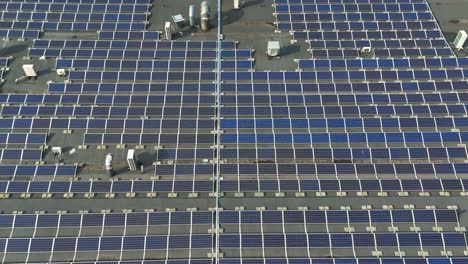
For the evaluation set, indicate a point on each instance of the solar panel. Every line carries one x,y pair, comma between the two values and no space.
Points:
128,35
155,65
84,244
334,240
137,54
20,155
132,44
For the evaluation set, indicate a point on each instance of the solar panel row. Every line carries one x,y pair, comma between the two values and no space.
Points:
259,87
383,63
336,216
381,43
376,8
74,8
153,65
336,240
23,138
114,243
129,35
138,54
126,99
32,171
355,16
381,52
371,35
114,43
416,216
356,154
315,153
91,26
379,124
370,138
99,124
96,111
316,139
285,111
295,111
71,17
133,219
20,34
380,99
241,185
330,26
20,155
319,170
336,76
280,96
102,186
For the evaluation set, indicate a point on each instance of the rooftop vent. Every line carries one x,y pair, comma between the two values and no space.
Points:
273,49
460,39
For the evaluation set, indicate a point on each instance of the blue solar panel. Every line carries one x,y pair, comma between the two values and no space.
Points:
335,240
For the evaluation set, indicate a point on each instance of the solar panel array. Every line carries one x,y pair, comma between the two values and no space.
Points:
25,20
152,233
389,123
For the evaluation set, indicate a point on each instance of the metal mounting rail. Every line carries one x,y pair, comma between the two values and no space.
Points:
216,252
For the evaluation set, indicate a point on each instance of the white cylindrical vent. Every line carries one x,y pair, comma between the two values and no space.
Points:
205,16
237,4
192,15
108,163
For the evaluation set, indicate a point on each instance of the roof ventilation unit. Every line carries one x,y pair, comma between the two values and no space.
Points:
57,151
366,50
179,20
273,48
61,72
237,4
460,39
29,73
192,16
168,31
132,160
205,14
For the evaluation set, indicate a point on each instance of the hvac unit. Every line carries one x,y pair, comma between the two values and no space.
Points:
273,48
131,160
168,31
460,39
